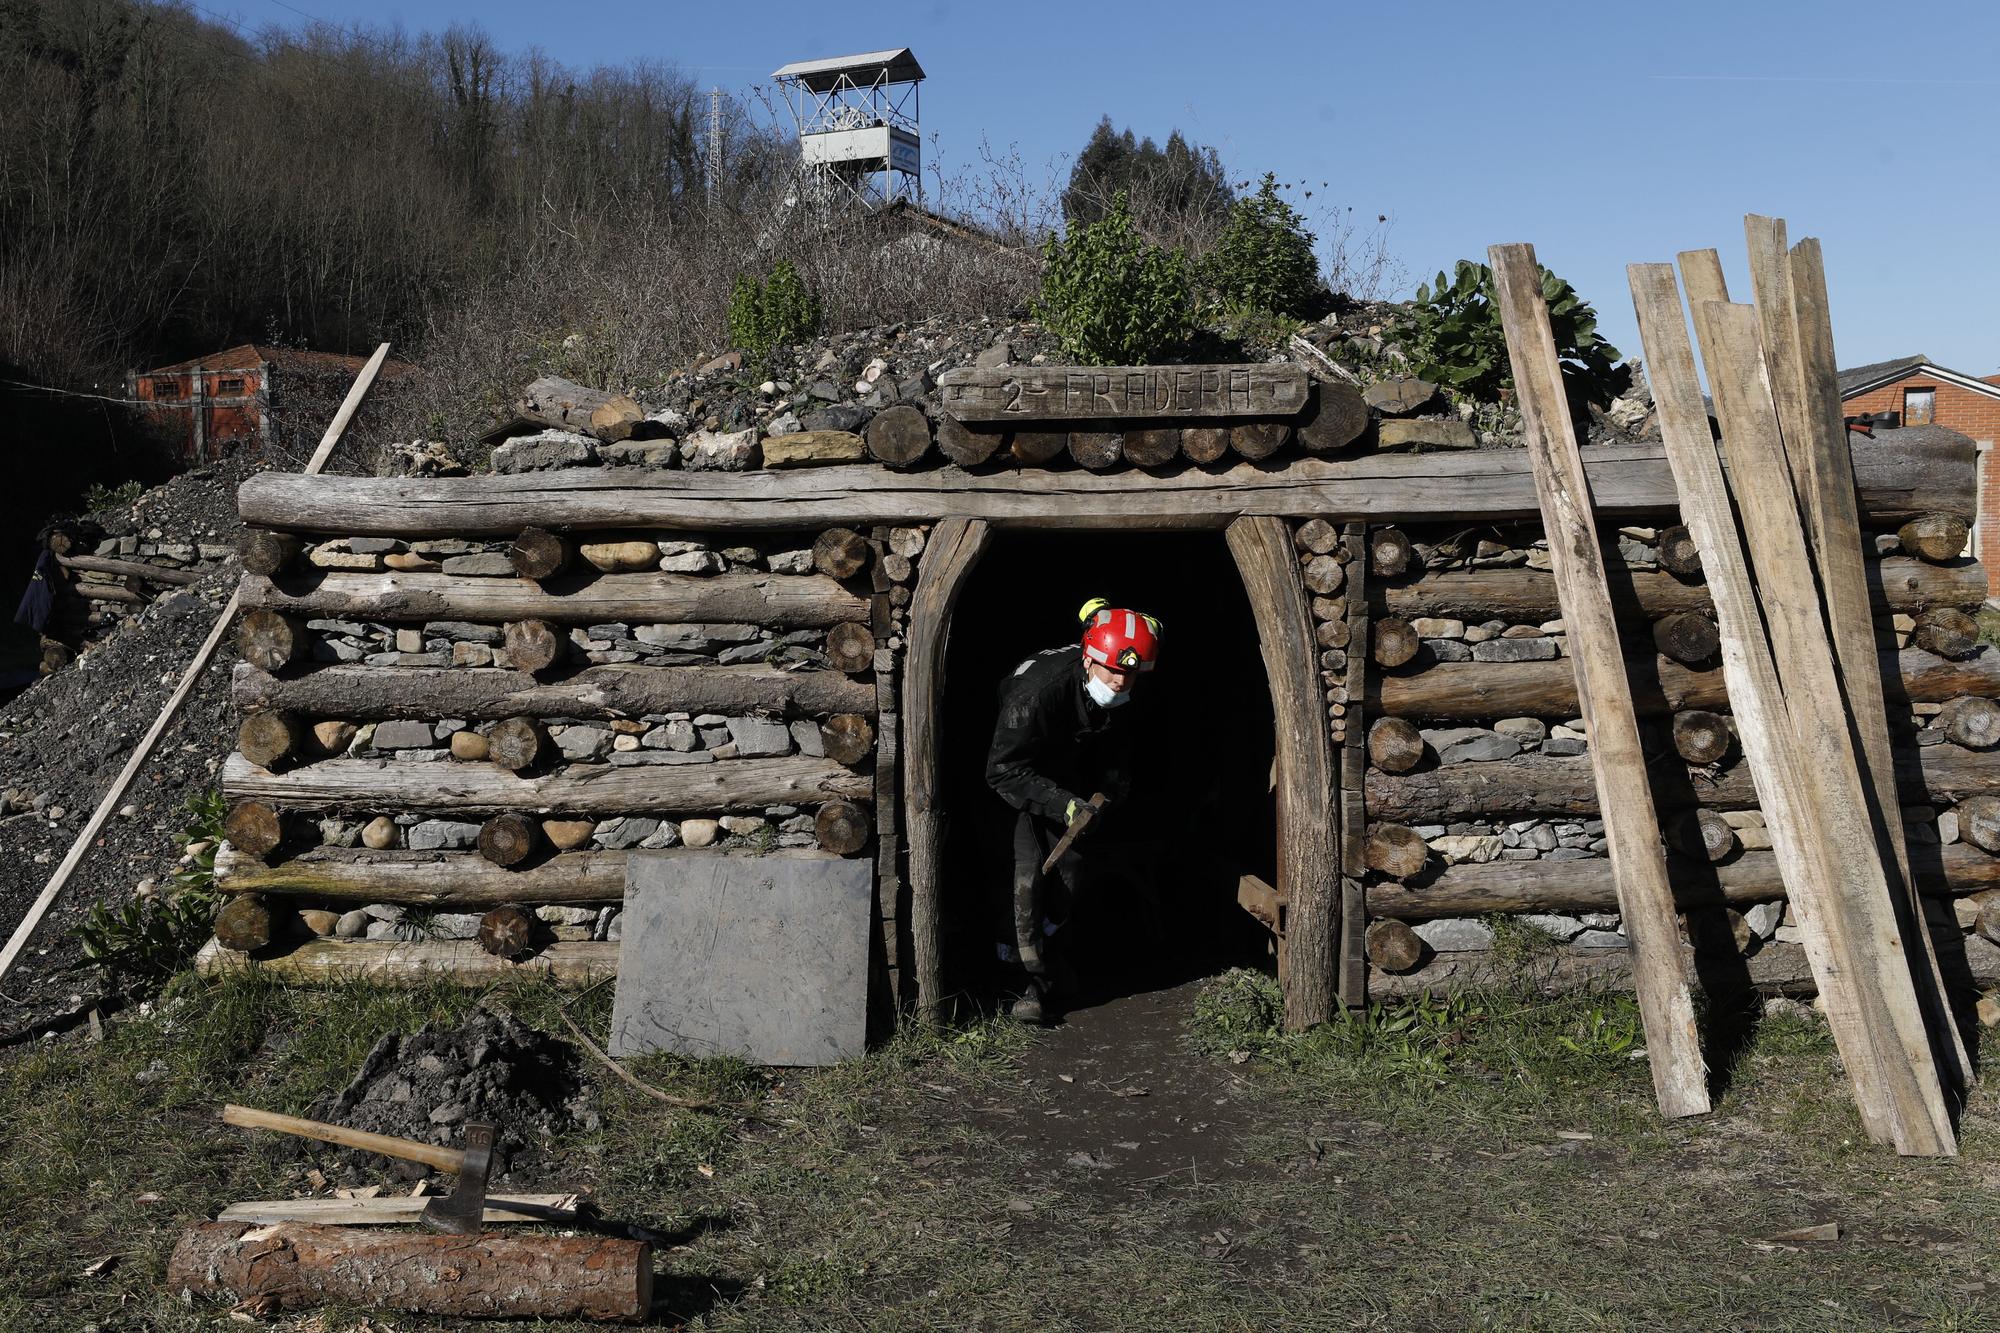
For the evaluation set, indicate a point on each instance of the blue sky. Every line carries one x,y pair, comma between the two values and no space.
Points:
1605,133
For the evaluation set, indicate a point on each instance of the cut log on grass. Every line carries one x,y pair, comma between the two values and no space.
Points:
1934,472
1389,552
1934,537
536,553
1155,446
1204,444
533,646
479,789
847,738
334,962
270,740
598,692
1660,977
1037,448
1585,885
509,839
272,640
1394,642
1528,596
1096,450
850,647
1258,439
1394,745
1950,633
899,435
517,743
1972,722
840,553
779,601
243,923
1393,946
261,551
1334,418
1979,822
1678,554
295,1267
1396,851
841,827
1686,637
1468,691
965,446
508,931
1702,737
253,827
461,881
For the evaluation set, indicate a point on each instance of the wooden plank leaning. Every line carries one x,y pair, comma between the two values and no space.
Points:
1860,918
144,750
1792,309
1618,759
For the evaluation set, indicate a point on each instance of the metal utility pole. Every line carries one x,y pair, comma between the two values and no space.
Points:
712,167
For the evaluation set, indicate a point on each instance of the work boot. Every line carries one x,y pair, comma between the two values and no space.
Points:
1028,1008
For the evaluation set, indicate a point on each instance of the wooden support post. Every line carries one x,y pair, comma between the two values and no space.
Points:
1308,868
1666,1002
954,549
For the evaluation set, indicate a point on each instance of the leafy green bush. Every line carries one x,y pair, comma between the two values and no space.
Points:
1112,297
1452,335
1264,260
152,936
99,496
777,313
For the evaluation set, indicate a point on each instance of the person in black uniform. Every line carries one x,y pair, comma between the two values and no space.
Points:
1063,734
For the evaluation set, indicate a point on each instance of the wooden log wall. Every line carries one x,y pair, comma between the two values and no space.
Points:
1475,788
442,731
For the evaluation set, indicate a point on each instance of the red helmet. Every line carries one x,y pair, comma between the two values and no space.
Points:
1120,639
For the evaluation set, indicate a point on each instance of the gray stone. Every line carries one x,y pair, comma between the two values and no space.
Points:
394,930
487,564
1562,747
455,925
1527,730
337,832
1515,650
763,957
434,835
1470,745
759,738
745,652
1455,934
639,453
1561,927
461,631
658,758
677,735
1542,838
403,735
548,450
627,831
692,562
352,925
791,562
584,743
1600,939
1763,918
1399,396
373,545
997,353
735,451
806,736
1449,650
1568,854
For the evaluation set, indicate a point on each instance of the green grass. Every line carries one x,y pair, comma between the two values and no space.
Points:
1491,1162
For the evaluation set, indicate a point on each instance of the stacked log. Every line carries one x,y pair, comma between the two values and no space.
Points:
1478,777
485,727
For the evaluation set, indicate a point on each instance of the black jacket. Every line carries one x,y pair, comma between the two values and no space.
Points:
1051,744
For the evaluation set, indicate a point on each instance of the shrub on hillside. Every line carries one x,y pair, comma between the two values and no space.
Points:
1112,297
1452,336
778,313
1264,259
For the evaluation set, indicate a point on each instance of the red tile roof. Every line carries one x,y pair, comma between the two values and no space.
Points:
250,355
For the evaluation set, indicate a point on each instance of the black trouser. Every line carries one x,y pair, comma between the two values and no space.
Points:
1037,896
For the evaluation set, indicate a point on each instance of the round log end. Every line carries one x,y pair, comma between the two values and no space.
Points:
1396,850
253,828
243,923
517,743
899,435
271,640
1394,745
538,553
1256,440
1947,632
1395,642
1096,450
841,827
1393,946
1202,445
509,839
1335,417
1678,554
1389,551
508,932
965,446
850,647
261,551
1934,537
1037,448
1972,722
840,553
269,740
1979,822
848,738
1688,637
533,645
1702,737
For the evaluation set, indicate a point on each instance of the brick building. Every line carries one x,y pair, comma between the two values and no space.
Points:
1920,392
226,397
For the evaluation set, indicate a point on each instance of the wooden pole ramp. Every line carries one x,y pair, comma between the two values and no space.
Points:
1631,826
1781,684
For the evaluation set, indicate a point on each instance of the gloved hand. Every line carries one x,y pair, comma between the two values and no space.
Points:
1069,811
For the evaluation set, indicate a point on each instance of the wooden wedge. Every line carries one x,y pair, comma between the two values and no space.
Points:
1631,826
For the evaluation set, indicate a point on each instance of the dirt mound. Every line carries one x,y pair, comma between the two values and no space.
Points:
492,1067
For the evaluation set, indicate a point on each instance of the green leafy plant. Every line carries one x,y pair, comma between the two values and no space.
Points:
99,496
777,313
1452,335
1112,297
1264,259
1605,1029
151,936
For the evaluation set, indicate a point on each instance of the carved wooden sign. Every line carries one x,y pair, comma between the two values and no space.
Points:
1060,393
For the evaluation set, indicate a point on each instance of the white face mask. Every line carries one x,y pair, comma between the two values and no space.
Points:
1103,695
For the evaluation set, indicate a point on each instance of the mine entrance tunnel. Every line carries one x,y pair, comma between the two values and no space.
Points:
1160,904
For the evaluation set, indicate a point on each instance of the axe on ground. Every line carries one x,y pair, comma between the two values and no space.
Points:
1084,814
460,1212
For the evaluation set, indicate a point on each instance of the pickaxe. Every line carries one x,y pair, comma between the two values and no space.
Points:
461,1212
